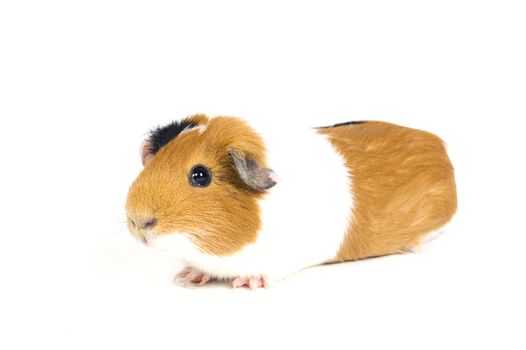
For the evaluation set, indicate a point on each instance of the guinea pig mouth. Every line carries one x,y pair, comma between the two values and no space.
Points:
140,236
147,237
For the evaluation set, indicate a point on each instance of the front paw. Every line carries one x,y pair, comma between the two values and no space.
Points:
252,282
191,276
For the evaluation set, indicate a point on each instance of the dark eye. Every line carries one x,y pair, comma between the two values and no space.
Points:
200,176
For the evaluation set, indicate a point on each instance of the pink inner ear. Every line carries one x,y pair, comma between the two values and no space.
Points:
146,156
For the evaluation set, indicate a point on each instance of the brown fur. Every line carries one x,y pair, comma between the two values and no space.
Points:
227,209
403,186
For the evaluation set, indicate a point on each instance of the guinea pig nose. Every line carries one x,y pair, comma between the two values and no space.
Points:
148,224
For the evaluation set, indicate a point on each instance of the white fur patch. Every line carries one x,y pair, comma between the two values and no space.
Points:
305,216
200,128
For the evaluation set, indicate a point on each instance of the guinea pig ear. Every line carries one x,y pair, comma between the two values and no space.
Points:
251,174
146,154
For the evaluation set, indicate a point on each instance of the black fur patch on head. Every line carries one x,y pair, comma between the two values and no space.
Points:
341,124
162,135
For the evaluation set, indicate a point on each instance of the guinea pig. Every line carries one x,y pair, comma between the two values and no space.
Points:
253,205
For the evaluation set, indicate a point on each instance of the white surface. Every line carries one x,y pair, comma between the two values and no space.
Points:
80,84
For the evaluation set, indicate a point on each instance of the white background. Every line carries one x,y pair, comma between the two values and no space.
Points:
82,82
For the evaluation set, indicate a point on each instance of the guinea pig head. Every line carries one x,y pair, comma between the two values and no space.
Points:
200,185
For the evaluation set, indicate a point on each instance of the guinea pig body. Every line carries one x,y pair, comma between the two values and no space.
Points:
258,204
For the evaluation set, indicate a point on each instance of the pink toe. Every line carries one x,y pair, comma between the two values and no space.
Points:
250,282
204,279
239,282
197,277
189,275
183,273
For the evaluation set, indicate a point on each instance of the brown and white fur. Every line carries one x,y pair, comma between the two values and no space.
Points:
283,199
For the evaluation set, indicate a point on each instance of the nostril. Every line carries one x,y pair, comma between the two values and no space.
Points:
149,224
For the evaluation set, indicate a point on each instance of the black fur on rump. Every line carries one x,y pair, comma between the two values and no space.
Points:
160,136
341,124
